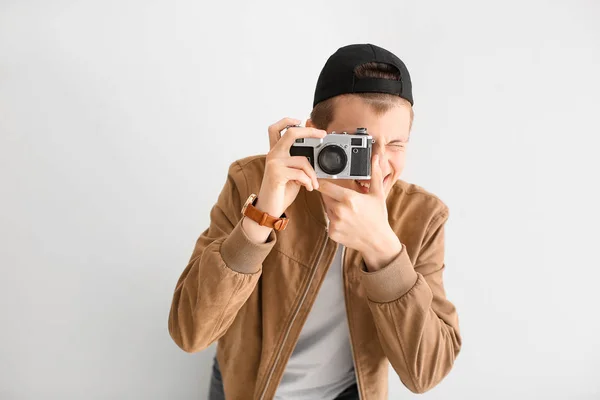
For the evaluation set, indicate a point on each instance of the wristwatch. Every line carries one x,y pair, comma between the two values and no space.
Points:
262,218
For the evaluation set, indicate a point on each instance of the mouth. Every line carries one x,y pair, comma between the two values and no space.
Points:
364,185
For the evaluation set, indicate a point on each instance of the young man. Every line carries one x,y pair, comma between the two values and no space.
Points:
310,286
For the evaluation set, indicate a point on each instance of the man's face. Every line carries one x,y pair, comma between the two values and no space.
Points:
390,132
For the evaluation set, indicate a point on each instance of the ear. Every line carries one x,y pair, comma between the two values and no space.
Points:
309,123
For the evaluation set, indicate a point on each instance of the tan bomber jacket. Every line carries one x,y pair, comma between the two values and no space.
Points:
254,298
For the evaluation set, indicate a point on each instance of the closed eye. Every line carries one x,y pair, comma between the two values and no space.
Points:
397,144
400,142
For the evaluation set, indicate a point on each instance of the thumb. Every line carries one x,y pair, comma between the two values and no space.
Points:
376,177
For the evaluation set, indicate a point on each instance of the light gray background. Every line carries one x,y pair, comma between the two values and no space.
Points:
118,120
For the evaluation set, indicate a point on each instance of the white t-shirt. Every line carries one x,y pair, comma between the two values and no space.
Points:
321,365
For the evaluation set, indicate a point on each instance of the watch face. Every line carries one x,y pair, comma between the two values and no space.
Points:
249,201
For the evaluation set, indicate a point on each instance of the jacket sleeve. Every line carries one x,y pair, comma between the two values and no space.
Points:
221,274
417,326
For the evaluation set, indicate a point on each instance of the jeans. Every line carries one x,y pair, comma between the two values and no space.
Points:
215,392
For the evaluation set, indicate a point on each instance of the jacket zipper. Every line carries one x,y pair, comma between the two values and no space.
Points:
348,320
287,333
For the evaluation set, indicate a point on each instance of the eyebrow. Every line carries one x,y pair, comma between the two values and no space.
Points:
400,140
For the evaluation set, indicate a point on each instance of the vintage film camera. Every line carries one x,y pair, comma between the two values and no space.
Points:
338,155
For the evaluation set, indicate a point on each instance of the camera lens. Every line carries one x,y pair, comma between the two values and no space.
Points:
332,160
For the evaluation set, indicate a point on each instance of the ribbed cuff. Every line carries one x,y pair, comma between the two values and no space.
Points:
392,281
241,254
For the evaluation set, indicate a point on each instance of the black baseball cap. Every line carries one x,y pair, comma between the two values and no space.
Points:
337,76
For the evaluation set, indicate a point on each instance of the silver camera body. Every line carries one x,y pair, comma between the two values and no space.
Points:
338,155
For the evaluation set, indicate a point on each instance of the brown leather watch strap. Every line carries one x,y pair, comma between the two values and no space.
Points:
262,218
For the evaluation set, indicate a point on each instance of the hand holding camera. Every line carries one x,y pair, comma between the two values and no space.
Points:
360,221
285,174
